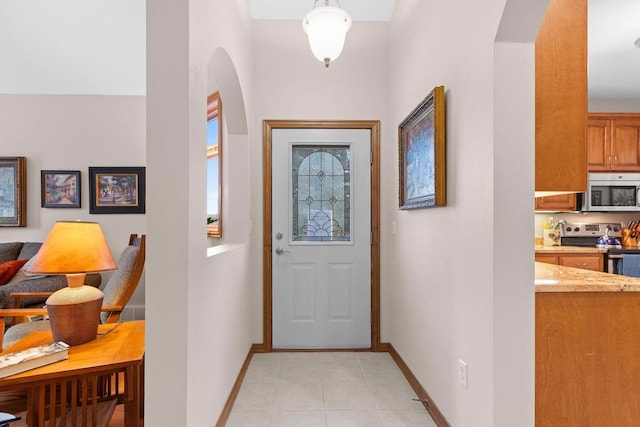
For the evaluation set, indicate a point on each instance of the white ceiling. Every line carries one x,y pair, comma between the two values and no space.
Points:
614,62
42,53
614,25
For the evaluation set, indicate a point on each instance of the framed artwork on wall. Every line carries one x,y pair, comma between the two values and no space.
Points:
116,190
422,154
60,189
13,191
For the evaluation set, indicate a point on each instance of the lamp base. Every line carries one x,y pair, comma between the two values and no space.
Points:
75,323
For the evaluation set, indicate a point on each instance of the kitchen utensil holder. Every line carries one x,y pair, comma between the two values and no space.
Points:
551,236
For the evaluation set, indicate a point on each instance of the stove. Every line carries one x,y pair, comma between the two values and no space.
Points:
587,235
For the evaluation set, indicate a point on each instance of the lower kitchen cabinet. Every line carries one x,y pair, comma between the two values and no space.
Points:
557,203
587,367
593,262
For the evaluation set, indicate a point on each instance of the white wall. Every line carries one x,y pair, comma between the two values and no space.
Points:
457,291
72,133
198,329
291,84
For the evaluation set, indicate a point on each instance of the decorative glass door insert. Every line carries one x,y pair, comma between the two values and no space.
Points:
320,193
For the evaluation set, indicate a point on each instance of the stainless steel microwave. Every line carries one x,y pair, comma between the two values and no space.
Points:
608,192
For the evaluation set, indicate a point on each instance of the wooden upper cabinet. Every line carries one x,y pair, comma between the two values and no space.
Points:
598,145
561,98
613,142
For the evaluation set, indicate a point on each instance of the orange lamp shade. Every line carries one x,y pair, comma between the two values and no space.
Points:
73,247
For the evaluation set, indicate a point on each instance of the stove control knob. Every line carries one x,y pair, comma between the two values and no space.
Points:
568,229
576,229
616,228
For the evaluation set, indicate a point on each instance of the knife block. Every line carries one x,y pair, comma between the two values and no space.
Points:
627,240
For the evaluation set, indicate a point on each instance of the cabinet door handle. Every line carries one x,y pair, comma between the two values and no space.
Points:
608,160
615,159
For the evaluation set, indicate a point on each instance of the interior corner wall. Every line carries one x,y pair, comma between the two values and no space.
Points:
441,262
199,304
291,84
74,132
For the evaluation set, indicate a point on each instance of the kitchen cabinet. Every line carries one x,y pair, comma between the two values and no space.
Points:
587,367
584,261
558,203
613,142
561,98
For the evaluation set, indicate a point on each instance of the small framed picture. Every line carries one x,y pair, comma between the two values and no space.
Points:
116,190
13,191
421,154
60,189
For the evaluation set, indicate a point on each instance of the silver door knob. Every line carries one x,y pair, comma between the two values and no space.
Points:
280,251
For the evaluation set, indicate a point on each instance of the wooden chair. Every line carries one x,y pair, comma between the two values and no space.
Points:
117,293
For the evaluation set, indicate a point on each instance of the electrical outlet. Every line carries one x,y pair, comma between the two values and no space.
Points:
462,373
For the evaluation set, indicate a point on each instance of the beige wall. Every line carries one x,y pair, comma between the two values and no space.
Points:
597,105
73,132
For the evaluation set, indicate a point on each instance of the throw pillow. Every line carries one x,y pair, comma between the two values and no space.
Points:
9,269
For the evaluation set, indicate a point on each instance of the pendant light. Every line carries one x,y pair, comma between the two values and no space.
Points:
326,26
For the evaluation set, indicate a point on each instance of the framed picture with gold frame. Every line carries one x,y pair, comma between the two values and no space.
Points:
13,191
117,190
422,154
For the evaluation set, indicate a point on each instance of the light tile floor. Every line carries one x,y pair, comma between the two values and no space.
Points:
326,389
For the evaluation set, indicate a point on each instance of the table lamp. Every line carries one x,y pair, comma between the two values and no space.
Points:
74,248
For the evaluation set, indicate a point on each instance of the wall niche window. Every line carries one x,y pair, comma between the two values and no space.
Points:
214,165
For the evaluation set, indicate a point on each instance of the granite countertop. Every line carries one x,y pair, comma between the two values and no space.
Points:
557,278
559,250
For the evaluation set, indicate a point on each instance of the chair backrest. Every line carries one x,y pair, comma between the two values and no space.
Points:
124,280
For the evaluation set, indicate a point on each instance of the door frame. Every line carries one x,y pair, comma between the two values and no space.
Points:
267,242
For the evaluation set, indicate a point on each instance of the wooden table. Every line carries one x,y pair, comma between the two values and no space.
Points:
108,369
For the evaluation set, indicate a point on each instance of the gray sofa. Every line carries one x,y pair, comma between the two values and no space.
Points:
23,283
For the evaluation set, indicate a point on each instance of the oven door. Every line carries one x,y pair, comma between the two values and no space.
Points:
613,263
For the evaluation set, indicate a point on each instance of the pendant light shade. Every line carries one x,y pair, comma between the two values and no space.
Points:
326,26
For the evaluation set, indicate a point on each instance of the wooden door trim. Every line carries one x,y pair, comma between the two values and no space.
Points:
267,252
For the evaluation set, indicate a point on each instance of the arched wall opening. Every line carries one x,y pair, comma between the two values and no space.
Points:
222,77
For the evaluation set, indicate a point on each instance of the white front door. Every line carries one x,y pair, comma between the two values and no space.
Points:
321,223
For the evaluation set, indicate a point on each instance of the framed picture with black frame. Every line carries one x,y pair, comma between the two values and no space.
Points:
117,190
60,189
